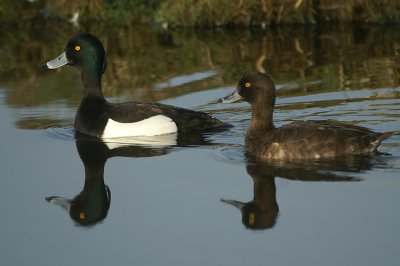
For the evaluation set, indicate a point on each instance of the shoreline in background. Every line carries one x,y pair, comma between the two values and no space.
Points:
205,13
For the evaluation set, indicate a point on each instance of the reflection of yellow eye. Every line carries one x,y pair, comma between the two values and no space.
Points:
77,48
251,216
82,214
247,84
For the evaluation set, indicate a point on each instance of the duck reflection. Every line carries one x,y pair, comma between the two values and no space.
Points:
262,212
91,205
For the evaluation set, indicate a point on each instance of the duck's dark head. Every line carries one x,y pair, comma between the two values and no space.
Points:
253,87
83,51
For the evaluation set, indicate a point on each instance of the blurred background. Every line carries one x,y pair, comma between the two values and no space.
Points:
206,13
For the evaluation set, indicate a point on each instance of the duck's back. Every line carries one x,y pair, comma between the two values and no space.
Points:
189,120
185,119
313,140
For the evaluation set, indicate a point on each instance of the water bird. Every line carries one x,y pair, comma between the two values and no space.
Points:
100,118
311,139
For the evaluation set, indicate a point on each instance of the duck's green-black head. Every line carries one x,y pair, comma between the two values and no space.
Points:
253,87
83,51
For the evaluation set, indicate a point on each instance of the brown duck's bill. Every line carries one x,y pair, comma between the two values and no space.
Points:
234,203
59,61
233,97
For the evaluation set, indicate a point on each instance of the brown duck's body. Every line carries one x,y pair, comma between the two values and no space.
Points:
313,140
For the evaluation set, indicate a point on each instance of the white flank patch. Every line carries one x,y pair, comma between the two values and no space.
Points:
147,141
152,126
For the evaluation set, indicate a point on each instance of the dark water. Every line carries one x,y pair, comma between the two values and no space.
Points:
200,201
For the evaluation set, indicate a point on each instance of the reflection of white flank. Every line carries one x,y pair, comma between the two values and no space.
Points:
152,126
153,141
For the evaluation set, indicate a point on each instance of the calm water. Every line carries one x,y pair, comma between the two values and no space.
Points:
198,201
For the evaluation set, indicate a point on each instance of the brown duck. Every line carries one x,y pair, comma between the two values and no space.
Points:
301,139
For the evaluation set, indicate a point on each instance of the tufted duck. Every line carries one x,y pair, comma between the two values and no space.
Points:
100,118
300,139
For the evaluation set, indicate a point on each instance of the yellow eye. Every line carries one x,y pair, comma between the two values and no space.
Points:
82,216
77,48
247,84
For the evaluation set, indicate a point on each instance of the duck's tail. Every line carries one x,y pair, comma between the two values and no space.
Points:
388,134
391,133
382,137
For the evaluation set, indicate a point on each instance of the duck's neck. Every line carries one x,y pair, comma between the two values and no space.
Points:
94,175
91,79
265,191
261,120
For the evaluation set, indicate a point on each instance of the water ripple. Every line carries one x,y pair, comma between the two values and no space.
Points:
61,133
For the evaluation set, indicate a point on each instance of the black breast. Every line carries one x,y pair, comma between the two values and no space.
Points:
91,117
